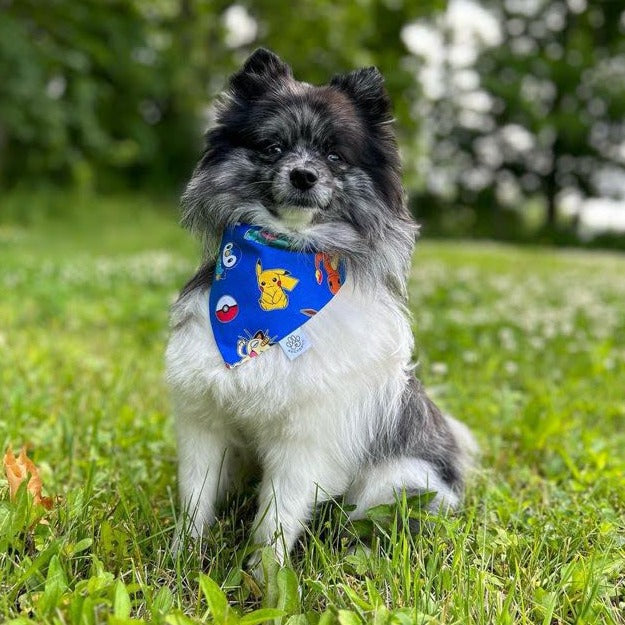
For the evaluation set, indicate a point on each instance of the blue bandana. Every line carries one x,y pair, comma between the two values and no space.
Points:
264,292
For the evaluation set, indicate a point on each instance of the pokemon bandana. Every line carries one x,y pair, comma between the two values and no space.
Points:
264,292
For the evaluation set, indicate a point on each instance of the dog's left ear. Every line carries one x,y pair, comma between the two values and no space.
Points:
366,88
262,69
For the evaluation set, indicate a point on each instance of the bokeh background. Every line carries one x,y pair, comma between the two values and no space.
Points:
510,113
511,118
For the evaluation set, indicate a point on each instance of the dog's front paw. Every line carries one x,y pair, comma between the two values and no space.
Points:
264,564
255,566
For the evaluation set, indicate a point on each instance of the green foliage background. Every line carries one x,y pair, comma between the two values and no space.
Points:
558,75
113,93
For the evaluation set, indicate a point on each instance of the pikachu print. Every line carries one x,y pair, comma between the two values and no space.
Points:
273,284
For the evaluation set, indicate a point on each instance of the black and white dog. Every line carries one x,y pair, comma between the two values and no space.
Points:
320,166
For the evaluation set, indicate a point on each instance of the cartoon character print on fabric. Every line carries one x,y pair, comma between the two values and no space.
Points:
330,265
272,284
265,291
252,346
229,257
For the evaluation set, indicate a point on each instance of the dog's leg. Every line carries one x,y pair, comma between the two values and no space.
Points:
291,487
205,472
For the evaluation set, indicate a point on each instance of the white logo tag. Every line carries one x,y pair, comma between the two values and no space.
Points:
295,344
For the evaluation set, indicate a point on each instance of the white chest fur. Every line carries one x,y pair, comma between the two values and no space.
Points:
359,343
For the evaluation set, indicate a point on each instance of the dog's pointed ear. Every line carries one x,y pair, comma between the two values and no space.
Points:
262,69
266,63
366,89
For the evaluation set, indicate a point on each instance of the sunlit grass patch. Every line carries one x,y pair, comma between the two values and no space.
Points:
526,345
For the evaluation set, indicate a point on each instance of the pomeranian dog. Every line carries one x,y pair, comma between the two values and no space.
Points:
317,169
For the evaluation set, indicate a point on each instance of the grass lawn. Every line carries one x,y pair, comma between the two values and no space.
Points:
525,345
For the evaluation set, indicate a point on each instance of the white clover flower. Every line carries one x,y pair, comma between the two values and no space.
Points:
439,368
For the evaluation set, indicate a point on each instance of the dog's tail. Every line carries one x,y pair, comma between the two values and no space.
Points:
469,449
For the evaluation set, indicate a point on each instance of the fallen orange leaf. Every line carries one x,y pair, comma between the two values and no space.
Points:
17,471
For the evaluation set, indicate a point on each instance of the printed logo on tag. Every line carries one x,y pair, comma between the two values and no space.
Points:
295,344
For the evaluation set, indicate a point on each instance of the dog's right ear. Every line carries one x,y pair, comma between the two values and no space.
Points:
262,69
366,88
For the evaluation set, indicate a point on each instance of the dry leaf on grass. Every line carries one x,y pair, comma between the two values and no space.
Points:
17,471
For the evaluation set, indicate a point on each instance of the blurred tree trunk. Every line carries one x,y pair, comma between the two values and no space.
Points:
551,211
185,18
551,190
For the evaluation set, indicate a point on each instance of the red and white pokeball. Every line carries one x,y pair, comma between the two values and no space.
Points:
226,309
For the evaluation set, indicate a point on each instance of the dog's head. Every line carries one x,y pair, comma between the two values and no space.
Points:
320,164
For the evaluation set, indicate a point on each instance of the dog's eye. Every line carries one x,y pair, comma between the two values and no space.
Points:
273,150
334,157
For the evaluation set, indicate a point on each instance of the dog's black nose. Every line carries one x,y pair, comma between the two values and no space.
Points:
303,179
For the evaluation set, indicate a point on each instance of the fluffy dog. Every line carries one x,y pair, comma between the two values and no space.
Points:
318,166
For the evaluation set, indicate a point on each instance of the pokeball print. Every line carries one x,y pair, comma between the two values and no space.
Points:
226,309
